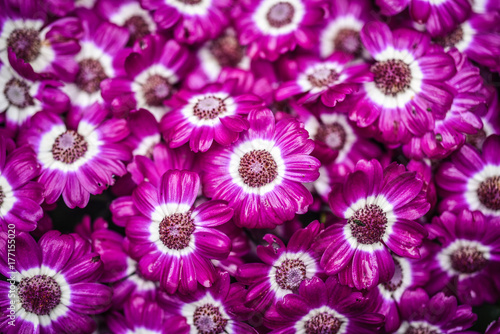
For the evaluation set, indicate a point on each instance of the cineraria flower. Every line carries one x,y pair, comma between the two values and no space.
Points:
216,112
173,241
55,285
325,308
77,162
468,260
439,314
144,133
332,79
472,179
191,21
64,7
25,38
261,174
20,198
151,72
270,28
407,87
283,270
378,208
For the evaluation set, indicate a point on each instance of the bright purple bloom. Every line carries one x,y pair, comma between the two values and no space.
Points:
471,180
378,208
144,133
173,241
64,7
325,308
271,28
77,162
261,174
56,285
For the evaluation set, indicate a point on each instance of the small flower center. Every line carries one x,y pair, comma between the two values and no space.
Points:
323,323
17,93
156,90
2,196
348,41
90,75
227,50
489,192
209,320
258,168
281,14
190,2
391,76
176,230
332,134
323,77
39,294
290,274
69,147
468,260
137,27
209,107
396,280
420,329
368,224
452,39
25,43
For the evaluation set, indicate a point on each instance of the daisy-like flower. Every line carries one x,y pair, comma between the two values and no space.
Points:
144,133
260,175
151,73
471,180
218,309
407,87
191,21
216,112
439,314
325,308
26,38
77,162
377,208
173,241
56,285
272,27
283,269
468,259
20,198
331,79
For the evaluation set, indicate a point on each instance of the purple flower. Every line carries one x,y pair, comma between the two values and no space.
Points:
260,175
489,118
471,180
378,208
64,7
56,284
283,270
144,133
325,308
468,260
20,198
173,241
493,328
77,162
240,247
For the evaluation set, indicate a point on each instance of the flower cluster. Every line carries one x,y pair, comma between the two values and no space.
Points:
249,166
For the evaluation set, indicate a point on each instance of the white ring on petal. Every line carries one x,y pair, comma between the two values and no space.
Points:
406,280
471,195
9,199
130,10
260,17
188,109
406,325
199,9
188,311
444,255
300,325
329,34
307,86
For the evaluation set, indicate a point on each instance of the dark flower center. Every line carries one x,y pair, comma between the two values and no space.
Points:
156,90
90,75
452,39
468,260
323,323
39,294
2,196
396,280
420,329
69,147
476,139
280,14
489,192
227,50
190,2
209,320
348,41
25,43
323,77
176,230
137,27
258,168
17,93
368,224
332,135
209,107
290,274
391,76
